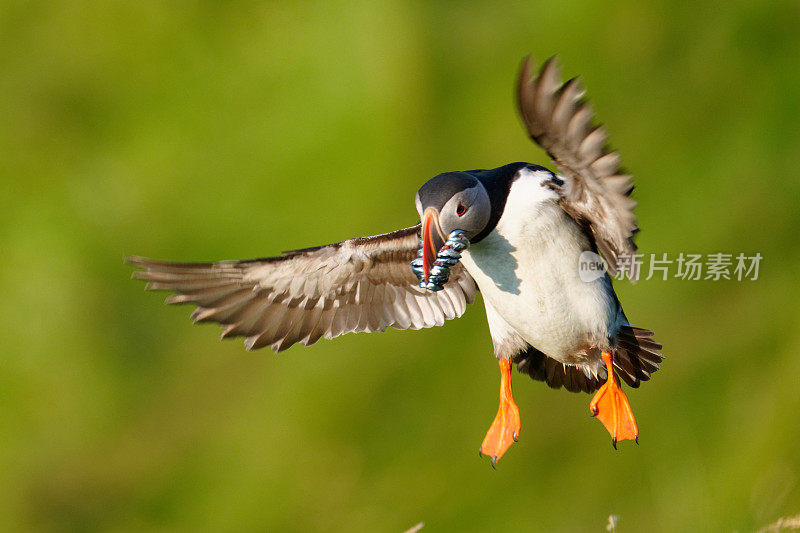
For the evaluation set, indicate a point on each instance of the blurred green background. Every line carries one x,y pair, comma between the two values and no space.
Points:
223,130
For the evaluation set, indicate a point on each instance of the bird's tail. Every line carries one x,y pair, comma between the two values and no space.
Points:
636,355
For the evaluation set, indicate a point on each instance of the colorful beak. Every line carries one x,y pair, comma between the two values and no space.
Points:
432,240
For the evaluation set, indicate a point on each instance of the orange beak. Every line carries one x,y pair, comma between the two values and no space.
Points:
432,240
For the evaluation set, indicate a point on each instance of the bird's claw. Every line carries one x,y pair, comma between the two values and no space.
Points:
610,406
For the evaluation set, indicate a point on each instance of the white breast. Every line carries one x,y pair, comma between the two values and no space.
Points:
527,272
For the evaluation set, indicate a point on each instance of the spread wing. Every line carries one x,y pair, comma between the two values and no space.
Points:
595,193
363,284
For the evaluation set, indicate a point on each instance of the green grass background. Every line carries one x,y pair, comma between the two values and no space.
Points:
222,130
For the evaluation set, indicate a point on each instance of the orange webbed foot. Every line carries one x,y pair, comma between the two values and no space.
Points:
503,432
505,428
611,407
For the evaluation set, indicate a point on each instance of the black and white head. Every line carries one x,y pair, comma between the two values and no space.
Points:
448,202
471,201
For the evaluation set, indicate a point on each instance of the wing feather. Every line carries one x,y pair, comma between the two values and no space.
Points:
363,284
595,193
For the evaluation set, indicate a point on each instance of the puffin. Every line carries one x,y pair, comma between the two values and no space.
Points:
519,234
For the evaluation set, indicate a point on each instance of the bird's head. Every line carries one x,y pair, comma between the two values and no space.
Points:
448,202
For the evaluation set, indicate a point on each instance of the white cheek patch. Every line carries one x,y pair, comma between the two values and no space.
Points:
472,193
475,218
450,206
447,218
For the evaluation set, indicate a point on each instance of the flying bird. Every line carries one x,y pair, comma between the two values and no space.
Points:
516,233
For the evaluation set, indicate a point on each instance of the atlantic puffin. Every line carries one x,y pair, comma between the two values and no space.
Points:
517,234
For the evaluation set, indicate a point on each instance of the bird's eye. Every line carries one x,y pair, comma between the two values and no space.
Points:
461,209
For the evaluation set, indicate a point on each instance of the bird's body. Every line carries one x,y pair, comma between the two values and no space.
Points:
526,230
526,270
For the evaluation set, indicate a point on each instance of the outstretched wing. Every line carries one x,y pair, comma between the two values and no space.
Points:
363,284
595,193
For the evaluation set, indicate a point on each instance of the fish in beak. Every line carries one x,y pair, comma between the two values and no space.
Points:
432,240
